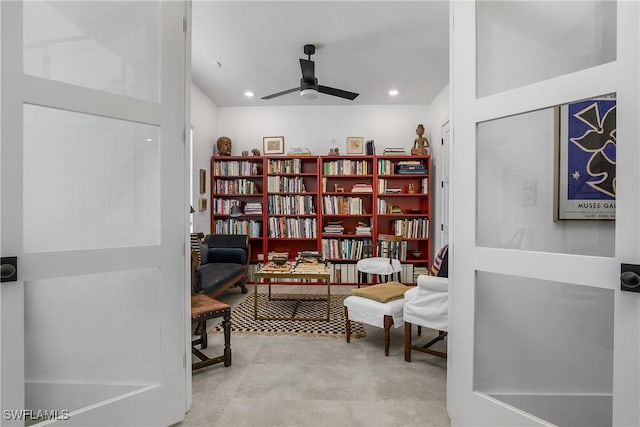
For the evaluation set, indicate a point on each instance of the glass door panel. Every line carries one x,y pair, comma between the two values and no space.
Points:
545,348
90,182
548,38
68,42
546,180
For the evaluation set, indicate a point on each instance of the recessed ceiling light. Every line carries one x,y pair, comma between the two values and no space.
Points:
393,92
248,94
149,139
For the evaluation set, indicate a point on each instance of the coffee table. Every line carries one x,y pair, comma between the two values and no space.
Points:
320,274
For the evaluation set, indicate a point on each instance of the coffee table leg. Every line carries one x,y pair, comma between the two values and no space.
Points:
328,299
255,301
227,337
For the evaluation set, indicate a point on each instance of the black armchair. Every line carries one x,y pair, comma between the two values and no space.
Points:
225,263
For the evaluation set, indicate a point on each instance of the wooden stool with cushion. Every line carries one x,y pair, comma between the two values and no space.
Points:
203,308
377,305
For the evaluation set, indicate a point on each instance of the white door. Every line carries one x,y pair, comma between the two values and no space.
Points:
444,184
94,207
540,332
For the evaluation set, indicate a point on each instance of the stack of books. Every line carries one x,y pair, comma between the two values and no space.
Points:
270,255
410,167
333,229
362,230
362,188
394,151
253,208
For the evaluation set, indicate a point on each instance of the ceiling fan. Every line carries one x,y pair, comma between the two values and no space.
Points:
309,86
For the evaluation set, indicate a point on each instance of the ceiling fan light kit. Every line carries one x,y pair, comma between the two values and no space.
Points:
309,87
309,93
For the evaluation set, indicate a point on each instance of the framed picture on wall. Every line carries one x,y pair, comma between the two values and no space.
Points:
273,145
586,160
355,145
203,181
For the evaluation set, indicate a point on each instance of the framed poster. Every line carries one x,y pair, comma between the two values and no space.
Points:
587,160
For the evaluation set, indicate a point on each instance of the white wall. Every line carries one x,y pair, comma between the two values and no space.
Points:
316,127
204,122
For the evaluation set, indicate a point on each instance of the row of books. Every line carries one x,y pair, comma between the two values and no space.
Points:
341,205
235,167
385,207
285,166
410,167
387,247
383,187
290,205
236,186
238,226
223,206
293,228
347,167
416,228
346,248
390,167
286,184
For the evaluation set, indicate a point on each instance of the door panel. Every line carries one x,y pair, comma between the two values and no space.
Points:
93,123
527,315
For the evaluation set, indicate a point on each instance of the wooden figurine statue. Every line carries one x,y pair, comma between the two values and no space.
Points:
224,146
255,152
420,144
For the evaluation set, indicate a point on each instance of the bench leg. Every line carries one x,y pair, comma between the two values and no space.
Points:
347,324
388,321
407,341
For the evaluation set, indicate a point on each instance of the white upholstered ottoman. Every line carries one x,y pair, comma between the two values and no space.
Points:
374,313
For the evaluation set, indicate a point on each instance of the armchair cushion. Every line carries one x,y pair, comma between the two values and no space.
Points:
383,292
210,277
378,265
230,248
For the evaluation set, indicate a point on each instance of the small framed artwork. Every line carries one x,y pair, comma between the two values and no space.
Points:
273,145
202,204
203,181
355,145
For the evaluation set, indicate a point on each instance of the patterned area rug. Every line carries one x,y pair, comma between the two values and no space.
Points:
242,321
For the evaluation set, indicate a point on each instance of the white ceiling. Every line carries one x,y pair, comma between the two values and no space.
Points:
363,47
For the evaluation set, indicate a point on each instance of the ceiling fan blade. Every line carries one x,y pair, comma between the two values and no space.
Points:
308,70
337,92
284,92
